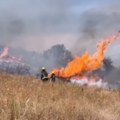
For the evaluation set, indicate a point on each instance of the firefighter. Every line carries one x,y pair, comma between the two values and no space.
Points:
44,74
53,77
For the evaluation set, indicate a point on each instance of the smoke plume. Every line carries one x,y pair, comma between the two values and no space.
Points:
38,25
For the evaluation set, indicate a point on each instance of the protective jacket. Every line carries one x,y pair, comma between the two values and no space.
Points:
44,75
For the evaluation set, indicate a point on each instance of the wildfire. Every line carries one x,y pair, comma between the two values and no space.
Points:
13,65
4,53
86,62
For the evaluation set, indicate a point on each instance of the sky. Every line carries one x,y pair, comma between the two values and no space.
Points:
36,25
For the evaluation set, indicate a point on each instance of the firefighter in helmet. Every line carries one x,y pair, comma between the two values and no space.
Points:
44,74
53,77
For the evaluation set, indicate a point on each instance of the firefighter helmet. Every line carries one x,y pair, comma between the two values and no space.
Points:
43,68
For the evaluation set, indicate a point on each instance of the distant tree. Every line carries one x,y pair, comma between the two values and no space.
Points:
56,56
108,64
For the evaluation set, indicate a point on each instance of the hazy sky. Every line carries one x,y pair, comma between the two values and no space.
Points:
39,24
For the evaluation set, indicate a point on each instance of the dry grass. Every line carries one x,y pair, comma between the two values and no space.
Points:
24,98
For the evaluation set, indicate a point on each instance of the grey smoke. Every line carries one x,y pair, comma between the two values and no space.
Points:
39,24
26,19
97,23
56,56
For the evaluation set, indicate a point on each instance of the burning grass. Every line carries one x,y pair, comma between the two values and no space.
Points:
24,98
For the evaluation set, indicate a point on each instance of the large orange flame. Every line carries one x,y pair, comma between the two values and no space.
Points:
86,62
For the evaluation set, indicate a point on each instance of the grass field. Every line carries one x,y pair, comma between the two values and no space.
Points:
24,98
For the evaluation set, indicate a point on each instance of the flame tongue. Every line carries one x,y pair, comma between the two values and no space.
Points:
4,53
86,62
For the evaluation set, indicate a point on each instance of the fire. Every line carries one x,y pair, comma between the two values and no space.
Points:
4,53
86,62
13,65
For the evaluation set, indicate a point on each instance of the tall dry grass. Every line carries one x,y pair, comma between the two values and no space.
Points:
24,98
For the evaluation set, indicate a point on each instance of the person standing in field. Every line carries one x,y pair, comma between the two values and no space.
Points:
44,74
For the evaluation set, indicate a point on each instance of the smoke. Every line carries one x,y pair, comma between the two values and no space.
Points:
99,23
56,56
95,24
39,24
26,22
